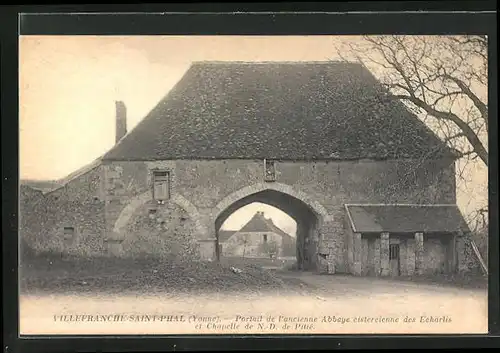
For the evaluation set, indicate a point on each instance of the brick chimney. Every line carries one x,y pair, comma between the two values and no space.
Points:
121,120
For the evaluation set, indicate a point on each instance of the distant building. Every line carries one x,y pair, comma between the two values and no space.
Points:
259,238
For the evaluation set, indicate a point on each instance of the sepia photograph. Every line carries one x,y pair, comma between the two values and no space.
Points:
212,184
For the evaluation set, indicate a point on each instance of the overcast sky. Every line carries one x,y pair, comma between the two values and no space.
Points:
68,86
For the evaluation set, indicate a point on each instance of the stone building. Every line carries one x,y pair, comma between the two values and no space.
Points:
259,238
310,138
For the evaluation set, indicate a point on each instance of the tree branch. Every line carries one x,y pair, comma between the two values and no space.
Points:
483,108
466,129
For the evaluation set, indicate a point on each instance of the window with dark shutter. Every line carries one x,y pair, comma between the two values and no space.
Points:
161,185
269,170
69,235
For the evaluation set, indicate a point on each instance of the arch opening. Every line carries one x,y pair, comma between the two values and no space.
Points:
308,224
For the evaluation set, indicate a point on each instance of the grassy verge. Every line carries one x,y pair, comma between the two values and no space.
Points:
55,274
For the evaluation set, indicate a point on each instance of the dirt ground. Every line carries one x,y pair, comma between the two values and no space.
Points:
308,304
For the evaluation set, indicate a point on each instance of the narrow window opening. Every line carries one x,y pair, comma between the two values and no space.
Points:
264,238
393,252
69,234
269,170
161,186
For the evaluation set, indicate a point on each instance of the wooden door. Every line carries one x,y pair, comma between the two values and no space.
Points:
394,262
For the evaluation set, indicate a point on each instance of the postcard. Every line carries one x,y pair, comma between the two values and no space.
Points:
253,184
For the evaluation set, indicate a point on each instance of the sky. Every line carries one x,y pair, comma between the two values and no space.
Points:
69,84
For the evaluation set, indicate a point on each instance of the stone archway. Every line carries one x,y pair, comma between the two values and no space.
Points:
309,214
319,209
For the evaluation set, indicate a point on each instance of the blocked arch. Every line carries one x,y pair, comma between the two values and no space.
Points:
138,201
314,205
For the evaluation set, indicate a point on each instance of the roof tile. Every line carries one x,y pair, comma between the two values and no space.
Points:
281,110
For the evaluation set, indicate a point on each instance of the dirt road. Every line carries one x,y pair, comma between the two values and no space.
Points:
321,304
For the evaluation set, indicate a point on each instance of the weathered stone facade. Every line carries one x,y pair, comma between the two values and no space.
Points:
113,212
252,244
78,206
202,190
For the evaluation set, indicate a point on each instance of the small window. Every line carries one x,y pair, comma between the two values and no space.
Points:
264,238
394,252
69,234
161,185
269,170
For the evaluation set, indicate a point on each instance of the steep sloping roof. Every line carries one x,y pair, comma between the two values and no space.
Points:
278,230
256,224
40,185
81,171
47,186
259,223
224,235
406,218
281,110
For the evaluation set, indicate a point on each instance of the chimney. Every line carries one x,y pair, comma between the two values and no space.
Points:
121,120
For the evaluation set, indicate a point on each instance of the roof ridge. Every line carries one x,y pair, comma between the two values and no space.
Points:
274,227
277,62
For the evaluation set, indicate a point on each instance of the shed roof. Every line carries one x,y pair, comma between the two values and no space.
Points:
406,218
280,110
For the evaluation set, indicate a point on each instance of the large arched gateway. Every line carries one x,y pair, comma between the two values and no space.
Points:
371,188
309,216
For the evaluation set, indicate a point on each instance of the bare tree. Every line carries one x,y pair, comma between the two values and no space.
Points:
443,79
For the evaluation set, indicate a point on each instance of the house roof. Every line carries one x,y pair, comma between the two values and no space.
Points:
47,186
259,223
224,235
406,218
278,110
40,185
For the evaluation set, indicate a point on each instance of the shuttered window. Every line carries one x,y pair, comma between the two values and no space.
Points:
269,170
69,235
161,185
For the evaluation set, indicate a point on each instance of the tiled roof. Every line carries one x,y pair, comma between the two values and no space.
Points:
259,223
41,185
406,218
278,110
224,235
256,224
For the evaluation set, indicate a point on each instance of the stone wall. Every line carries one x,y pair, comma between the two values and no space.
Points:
160,231
199,188
77,205
436,254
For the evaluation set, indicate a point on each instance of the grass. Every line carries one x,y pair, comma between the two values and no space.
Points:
53,274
